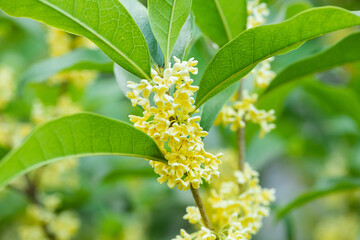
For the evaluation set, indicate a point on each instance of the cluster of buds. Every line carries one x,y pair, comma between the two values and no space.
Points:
62,226
41,113
263,74
7,86
60,43
243,111
236,209
168,105
257,13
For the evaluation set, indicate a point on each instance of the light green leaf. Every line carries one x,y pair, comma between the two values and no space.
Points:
212,108
339,100
141,17
240,56
220,20
122,77
345,51
79,59
107,23
183,42
78,135
166,19
323,189
294,8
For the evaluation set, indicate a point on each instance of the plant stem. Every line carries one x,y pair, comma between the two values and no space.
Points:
241,148
31,193
241,136
200,205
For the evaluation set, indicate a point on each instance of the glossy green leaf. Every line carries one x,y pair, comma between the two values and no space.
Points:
80,59
345,51
220,20
167,18
323,189
340,100
212,108
295,8
141,17
77,136
107,23
183,42
240,56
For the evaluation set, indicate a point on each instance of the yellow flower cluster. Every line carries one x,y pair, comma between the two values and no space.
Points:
12,132
7,86
44,217
65,106
263,74
235,209
343,227
40,221
61,43
257,13
59,175
239,112
168,119
244,110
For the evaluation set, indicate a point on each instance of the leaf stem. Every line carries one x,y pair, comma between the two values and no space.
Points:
241,136
200,205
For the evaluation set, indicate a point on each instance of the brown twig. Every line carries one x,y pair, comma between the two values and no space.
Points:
200,205
241,136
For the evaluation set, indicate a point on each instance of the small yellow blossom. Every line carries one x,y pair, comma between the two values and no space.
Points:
338,227
7,86
65,225
257,13
235,208
65,106
60,43
168,119
263,74
244,111
59,175
193,215
80,78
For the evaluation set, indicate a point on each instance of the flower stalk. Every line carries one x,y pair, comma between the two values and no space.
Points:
241,135
200,205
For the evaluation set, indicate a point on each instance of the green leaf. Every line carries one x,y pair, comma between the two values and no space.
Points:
183,42
212,108
141,17
220,20
240,56
295,8
345,51
166,19
78,135
339,100
79,59
323,189
107,23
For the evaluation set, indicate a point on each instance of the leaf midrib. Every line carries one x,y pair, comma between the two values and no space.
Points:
203,100
61,11
225,23
169,33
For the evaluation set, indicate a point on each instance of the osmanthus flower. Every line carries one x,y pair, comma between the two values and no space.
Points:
60,43
7,85
243,111
257,13
237,113
168,118
235,208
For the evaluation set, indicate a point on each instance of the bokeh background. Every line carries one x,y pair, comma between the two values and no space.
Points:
314,150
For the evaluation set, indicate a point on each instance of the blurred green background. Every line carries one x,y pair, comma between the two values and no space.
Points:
314,150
